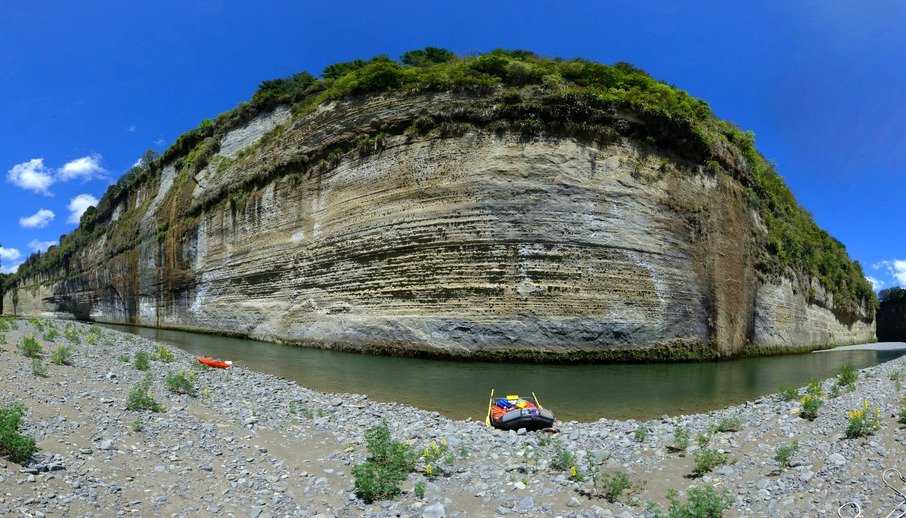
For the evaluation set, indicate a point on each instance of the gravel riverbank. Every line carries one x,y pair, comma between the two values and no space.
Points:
251,444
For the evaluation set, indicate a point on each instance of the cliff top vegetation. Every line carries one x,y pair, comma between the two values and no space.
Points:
892,295
793,244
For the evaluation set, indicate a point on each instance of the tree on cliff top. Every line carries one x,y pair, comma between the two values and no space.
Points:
893,294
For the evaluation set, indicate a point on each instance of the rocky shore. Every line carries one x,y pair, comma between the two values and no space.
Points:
251,444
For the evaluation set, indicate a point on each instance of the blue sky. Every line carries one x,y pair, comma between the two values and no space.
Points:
85,87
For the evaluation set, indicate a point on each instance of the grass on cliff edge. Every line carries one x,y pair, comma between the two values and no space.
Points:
793,242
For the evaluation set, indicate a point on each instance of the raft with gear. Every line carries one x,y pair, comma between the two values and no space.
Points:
513,412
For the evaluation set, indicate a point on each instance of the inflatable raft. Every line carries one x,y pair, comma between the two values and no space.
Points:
514,412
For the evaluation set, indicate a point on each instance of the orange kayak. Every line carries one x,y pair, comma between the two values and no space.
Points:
211,362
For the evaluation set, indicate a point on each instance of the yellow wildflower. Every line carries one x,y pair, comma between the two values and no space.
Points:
443,442
425,454
428,470
573,472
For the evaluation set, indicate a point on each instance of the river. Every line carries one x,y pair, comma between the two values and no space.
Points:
574,392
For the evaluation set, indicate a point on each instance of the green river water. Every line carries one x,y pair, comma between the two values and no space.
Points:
573,392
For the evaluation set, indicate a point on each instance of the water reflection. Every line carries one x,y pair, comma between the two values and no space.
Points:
580,392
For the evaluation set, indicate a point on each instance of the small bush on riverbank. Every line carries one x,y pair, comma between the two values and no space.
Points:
640,434
4,324
51,334
701,503
12,324
38,368
94,334
31,348
389,463
14,446
614,484
789,393
848,376
62,355
863,421
72,334
142,361
813,400
729,424
181,383
680,439
563,459
784,453
706,459
163,354
141,398
437,450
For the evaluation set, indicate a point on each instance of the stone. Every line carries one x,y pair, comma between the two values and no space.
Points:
434,511
106,444
836,459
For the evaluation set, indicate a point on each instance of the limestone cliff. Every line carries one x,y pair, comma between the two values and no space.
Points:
504,218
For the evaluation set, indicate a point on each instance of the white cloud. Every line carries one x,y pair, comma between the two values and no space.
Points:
875,283
9,254
160,141
78,205
131,129
10,269
39,219
40,246
85,168
31,175
895,267
137,162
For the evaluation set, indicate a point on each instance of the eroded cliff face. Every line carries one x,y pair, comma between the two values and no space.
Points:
459,242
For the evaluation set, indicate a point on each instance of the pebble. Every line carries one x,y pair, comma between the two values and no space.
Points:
434,511
837,459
